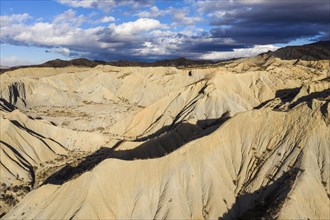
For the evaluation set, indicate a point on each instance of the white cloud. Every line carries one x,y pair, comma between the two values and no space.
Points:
164,43
180,17
69,17
135,27
149,48
63,31
64,51
104,5
192,30
237,53
66,34
107,19
7,20
154,12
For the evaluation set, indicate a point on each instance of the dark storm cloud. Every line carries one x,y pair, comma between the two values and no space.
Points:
268,33
270,22
198,47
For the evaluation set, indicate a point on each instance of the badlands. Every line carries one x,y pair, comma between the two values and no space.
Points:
241,139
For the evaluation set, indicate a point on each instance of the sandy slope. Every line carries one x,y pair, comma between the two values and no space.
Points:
250,158
247,139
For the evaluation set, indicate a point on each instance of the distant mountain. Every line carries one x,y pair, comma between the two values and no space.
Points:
168,62
181,62
75,62
127,63
315,51
4,67
82,62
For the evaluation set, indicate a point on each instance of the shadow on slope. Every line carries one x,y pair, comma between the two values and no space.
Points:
308,98
24,163
265,202
153,148
285,95
6,106
35,134
179,118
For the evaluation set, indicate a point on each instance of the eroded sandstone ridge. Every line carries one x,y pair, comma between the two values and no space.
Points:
245,138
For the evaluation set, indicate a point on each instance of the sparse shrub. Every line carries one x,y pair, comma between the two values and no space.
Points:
15,189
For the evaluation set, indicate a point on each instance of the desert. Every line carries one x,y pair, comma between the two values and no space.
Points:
238,139
153,109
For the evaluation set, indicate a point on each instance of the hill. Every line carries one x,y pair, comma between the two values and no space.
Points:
315,51
245,139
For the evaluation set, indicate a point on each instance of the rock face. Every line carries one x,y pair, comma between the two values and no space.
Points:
315,51
246,139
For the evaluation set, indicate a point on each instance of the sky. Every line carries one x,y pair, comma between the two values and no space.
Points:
33,32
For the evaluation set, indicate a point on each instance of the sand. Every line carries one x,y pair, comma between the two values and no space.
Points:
245,139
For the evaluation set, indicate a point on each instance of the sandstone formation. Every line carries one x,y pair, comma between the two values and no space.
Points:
240,139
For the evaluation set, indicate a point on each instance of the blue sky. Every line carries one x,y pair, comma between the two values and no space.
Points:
37,31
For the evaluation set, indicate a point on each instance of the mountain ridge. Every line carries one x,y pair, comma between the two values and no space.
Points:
315,51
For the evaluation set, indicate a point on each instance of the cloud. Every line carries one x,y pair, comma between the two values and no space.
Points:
7,20
129,31
134,27
107,19
181,17
104,5
194,29
63,31
144,37
178,16
238,53
154,12
69,17
264,22
61,50
163,44
65,35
